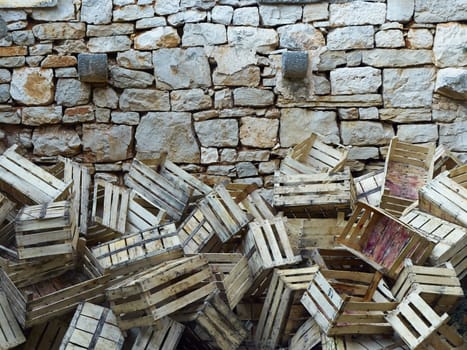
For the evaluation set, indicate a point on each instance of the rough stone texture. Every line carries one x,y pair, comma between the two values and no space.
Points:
188,16
246,169
127,118
96,11
397,58
400,10
110,29
389,39
419,39
108,143
348,113
411,87
32,86
357,13
199,34
63,11
190,100
363,133
10,117
105,97
222,14
272,15
5,76
253,97
109,43
249,76
328,60
296,124
79,114
171,132
157,38
167,7
315,12
133,59
132,12
151,22
12,62
23,37
54,61
417,133
56,140
181,68
4,93
435,11
363,153
59,31
356,37
260,39
259,132
209,155
247,16
449,45
300,36
127,78
361,80
72,92
405,115
217,133
454,136
144,100
452,82
41,115
370,113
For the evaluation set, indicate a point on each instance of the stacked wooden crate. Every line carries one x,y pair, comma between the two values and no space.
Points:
186,266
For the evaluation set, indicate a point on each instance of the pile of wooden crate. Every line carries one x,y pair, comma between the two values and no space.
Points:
156,259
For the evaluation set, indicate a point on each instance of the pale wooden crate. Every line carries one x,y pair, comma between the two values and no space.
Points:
451,239
368,187
11,334
420,327
164,335
98,234
306,337
459,175
444,160
438,286
282,313
28,183
169,193
341,314
45,230
137,251
314,156
312,195
47,335
445,198
142,215
255,204
92,327
383,241
337,258
37,302
408,167
216,219
361,342
216,325
148,296
6,208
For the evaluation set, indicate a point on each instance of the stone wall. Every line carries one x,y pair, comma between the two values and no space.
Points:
203,79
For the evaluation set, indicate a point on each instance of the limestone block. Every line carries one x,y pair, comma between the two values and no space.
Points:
359,80
79,114
316,12
127,118
258,132
454,136
157,38
92,68
253,97
59,31
217,132
389,39
128,78
141,100
110,29
32,86
96,11
108,143
63,11
357,13
449,45
246,16
300,36
405,115
109,43
72,92
396,58
419,39
133,59
187,16
417,133
262,40
362,133
353,37
56,140
200,34
435,11
452,82
400,10
189,100
222,14
132,12
41,115
105,97
275,15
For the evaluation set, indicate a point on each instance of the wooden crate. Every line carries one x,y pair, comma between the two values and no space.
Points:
98,234
93,327
339,315
312,195
216,325
306,337
445,198
438,286
422,328
6,207
137,251
444,160
35,303
337,259
451,239
148,296
164,335
28,183
316,232
47,335
272,243
362,342
215,220
459,175
11,333
282,314
257,206
142,215
314,156
81,191
368,187
47,229
383,241
408,167
170,194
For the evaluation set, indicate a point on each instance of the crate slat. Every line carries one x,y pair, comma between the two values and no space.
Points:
306,337
360,342
165,335
11,333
